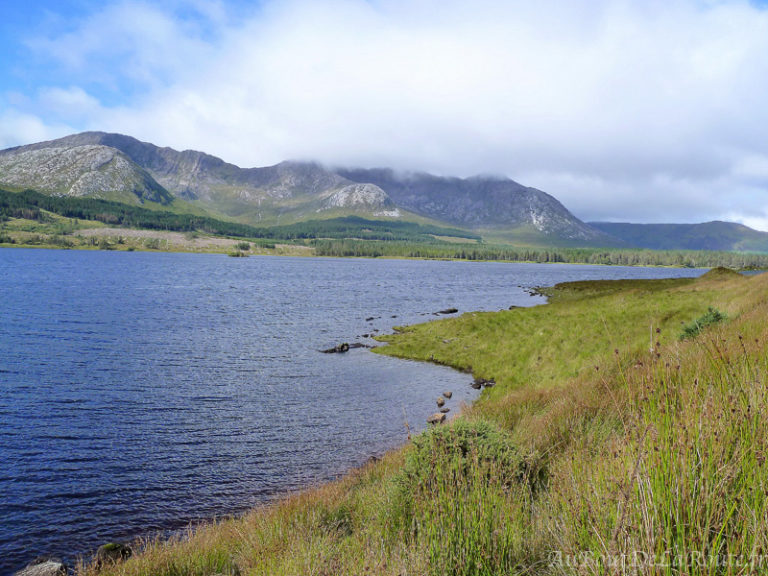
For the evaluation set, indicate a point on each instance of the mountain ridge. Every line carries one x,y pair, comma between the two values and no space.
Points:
293,191
122,168
715,235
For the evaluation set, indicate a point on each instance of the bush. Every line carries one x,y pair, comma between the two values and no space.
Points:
459,498
713,316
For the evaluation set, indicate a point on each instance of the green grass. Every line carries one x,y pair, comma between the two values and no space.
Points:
605,440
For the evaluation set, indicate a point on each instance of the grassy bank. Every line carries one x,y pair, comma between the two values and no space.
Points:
614,442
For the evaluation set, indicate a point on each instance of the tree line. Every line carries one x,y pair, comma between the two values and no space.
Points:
617,257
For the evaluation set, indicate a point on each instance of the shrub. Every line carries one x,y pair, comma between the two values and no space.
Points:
713,316
460,497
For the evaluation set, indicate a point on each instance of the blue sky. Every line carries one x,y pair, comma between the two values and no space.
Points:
647,110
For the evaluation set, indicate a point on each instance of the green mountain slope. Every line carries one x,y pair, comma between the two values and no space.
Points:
723,236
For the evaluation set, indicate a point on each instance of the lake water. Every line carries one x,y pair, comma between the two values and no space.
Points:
142,391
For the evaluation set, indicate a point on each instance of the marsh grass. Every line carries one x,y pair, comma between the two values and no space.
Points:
597,452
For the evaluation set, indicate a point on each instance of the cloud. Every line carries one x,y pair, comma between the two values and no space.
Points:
18,128
622,110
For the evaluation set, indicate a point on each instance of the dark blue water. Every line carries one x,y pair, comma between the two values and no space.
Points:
139,392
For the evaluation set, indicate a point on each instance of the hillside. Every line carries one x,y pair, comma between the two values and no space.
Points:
724,236
132,171
481,202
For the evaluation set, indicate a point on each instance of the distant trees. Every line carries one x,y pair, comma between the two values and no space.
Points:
436,250
351,236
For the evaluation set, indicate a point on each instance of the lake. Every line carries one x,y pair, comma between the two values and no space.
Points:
140,392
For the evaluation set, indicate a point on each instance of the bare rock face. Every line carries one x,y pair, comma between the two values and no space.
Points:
88,170
359,196
478,202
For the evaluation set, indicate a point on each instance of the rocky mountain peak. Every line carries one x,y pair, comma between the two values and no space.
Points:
119,166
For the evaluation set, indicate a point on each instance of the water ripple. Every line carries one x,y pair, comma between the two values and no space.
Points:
196,388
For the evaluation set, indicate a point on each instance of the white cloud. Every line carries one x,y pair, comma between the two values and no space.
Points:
623,110
72,103
18,128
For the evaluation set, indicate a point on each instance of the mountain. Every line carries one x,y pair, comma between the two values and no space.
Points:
481,202
723,236
122,168
286,192
87,170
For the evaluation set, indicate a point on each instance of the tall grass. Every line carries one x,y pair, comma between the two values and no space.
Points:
608,446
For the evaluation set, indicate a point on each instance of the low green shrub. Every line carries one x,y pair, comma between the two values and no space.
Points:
459,497
713,316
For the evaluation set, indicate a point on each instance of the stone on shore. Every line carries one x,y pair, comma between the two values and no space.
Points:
112,552
480,382
43,567
436,418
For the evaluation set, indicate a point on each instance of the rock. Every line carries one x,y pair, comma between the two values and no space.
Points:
359,345
440,402
436,418
448,311
444,410
340,349
448,394
480,382
112,552
370,319
513,307
44,566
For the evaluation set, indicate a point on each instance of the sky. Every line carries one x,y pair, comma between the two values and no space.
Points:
642,111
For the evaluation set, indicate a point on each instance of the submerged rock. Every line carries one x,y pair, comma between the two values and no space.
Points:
444,410
345,347
340,349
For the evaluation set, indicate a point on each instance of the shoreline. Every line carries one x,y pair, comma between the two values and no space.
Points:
305,253
316,503
391,454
